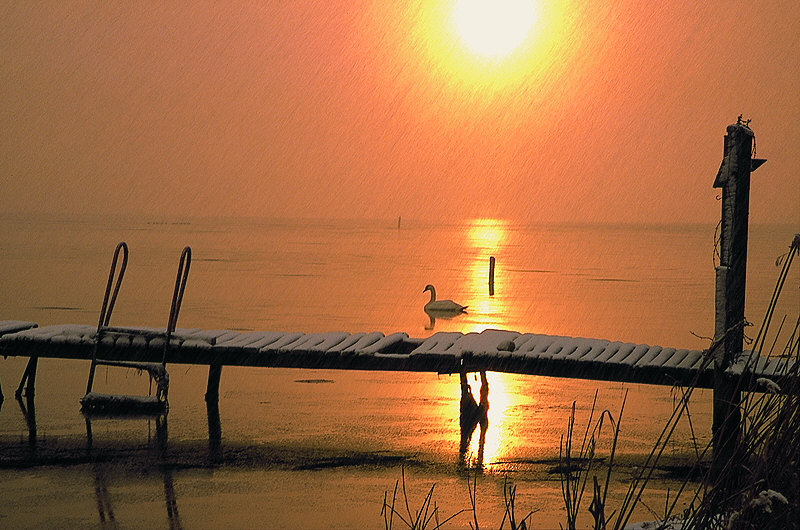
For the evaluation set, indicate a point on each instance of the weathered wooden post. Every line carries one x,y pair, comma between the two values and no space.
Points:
212,387
491,275
734,179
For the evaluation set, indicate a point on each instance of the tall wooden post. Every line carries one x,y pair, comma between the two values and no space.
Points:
734,179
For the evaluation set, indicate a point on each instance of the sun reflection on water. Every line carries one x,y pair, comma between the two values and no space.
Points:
487,234
486,238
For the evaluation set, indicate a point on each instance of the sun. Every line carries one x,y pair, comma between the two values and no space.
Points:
494,28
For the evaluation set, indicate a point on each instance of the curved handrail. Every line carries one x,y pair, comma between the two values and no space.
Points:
177,297
109,299
108,306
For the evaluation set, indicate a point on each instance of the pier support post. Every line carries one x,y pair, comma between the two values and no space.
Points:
734,179
214,431
212,388
28,378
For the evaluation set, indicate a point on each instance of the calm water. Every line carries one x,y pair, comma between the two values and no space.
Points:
319,448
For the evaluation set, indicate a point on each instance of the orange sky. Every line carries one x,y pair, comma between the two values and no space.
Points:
609,111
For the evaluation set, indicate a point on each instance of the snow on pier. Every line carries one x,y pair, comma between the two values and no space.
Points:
443,352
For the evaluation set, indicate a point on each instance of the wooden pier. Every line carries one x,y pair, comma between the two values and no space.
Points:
442,352
725,367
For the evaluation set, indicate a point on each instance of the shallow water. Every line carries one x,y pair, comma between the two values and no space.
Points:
318,448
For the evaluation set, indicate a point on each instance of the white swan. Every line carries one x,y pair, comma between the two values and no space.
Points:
441,306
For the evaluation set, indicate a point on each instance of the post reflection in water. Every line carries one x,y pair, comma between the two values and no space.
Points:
161,435
471,415
105,508
214,431
171,502
29,413
499,424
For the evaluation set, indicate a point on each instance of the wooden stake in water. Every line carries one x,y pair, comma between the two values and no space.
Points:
491,275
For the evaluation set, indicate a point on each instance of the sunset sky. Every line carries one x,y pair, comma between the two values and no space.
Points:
564,111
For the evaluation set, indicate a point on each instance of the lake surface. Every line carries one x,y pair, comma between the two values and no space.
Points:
318,448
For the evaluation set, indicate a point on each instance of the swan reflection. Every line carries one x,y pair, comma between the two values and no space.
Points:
443,315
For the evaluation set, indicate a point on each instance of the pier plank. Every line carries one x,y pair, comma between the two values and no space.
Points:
438,343
613,352
317,342
692,358
649,354
637,353
382,344
444,352
12,326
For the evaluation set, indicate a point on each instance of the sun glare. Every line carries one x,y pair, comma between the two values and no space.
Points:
482,49
494,28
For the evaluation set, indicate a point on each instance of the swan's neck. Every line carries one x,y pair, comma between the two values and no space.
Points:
433,294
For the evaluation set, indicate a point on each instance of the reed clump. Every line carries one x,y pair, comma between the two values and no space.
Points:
758,487
427,516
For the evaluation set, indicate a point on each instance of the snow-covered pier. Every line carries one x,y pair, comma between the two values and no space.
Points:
443,352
